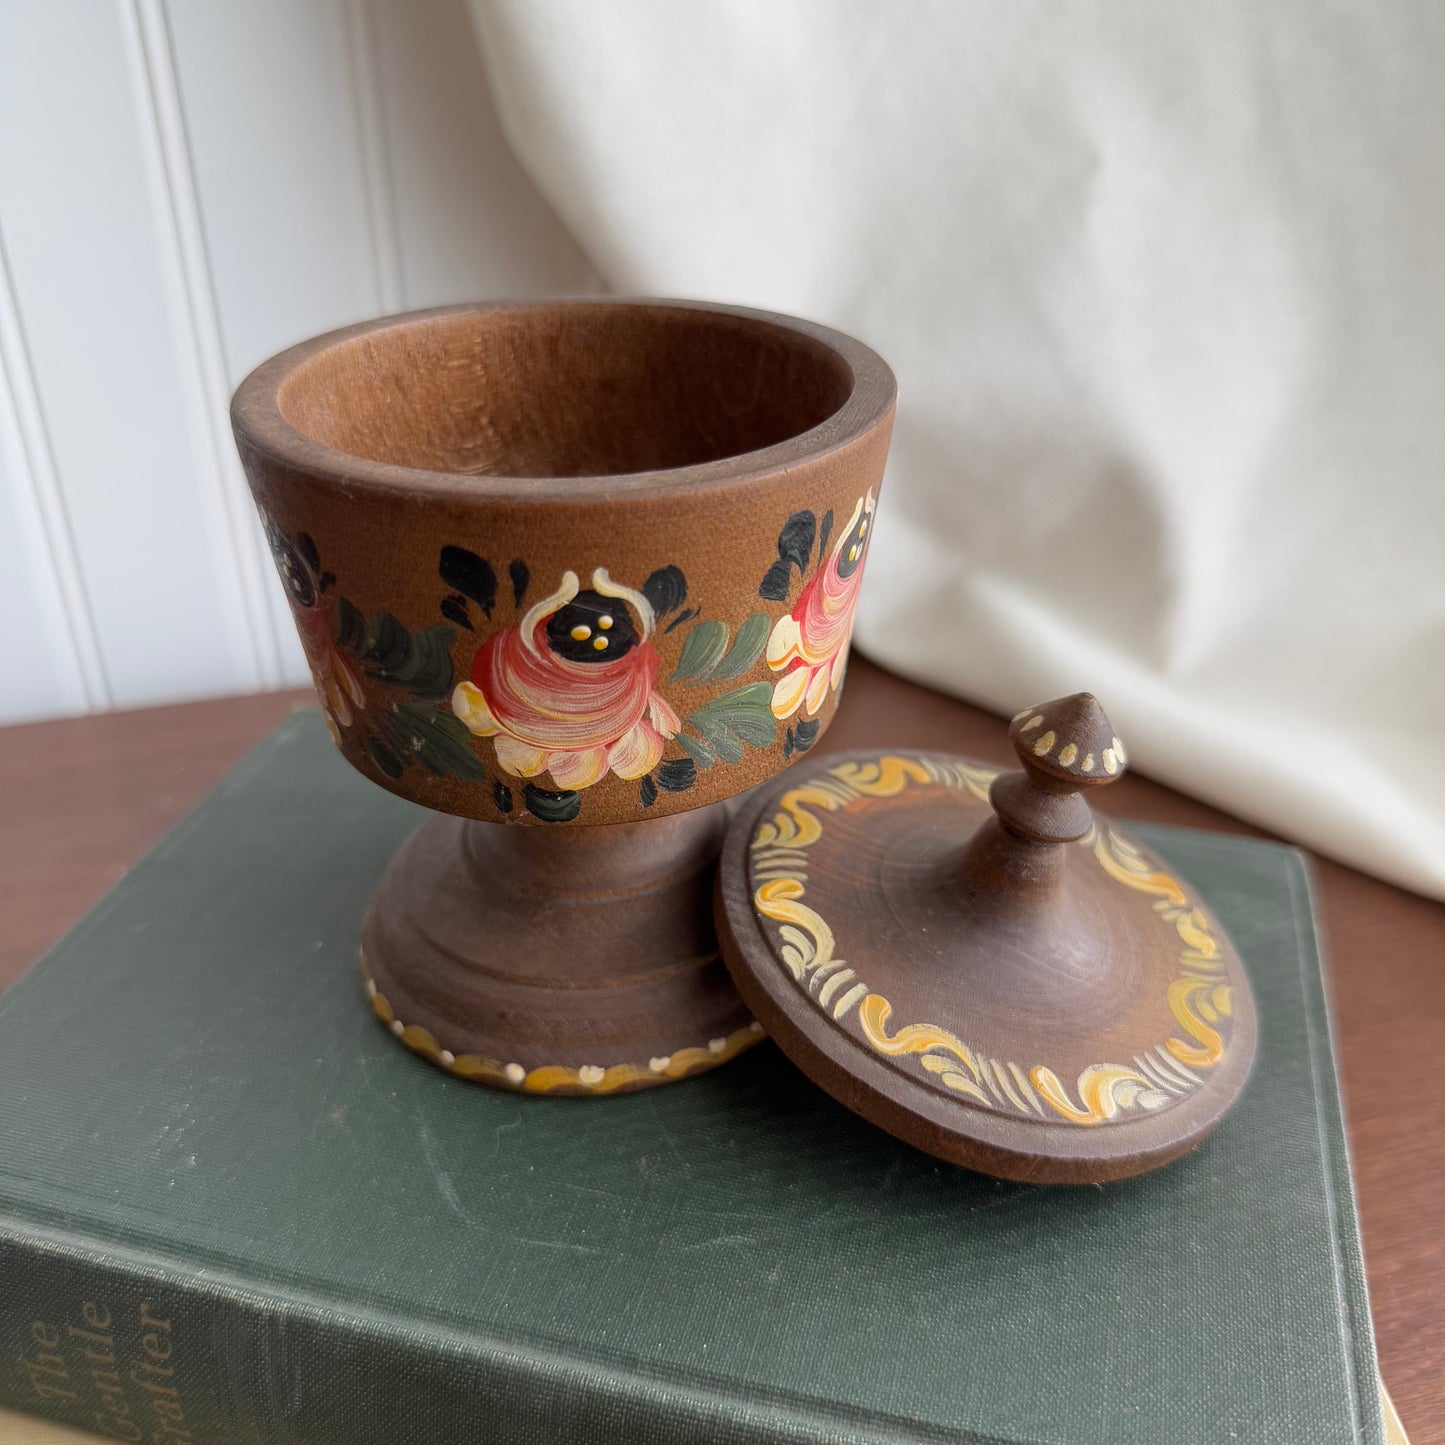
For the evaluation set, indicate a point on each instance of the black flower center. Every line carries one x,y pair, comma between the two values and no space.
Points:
592,628
295,573
855,544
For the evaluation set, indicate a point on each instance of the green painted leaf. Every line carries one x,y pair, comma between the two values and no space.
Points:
721,739
384,758
741,716
421,662
696,749
677,775
350,627
550,806
438,740
702,651
746,649
746,711
387,643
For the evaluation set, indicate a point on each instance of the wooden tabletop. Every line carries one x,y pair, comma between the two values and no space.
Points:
82,800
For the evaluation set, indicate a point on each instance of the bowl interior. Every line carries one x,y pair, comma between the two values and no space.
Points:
565,390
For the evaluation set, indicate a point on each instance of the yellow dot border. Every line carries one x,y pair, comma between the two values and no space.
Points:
587,1079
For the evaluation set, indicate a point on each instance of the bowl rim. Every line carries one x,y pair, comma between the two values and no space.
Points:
259,424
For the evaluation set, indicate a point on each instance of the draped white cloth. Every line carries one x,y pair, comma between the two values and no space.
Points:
1164,287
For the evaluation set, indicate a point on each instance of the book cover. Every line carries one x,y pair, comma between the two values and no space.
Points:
233,1209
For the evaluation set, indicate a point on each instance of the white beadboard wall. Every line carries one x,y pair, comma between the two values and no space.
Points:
186,186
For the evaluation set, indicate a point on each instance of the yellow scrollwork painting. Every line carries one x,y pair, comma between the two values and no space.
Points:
1198,998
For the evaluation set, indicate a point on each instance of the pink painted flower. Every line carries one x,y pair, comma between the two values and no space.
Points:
335,678
570,689
810,645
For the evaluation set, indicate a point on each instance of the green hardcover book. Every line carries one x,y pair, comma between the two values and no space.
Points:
232,1209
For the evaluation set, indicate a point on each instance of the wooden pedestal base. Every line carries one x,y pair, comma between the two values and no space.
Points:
566,961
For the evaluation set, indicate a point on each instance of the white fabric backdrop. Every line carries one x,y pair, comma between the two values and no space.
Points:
1164,286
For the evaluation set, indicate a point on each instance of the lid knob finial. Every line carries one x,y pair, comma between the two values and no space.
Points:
1065,746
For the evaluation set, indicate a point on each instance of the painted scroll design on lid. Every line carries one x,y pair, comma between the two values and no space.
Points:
1198,996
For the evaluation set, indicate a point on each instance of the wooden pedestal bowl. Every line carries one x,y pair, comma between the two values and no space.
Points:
556,566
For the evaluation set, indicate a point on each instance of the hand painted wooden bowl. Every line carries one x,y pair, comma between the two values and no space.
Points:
556,565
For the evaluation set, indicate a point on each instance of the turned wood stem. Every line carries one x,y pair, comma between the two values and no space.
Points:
1065,747
563,864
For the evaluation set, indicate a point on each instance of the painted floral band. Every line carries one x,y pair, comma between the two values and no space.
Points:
572,691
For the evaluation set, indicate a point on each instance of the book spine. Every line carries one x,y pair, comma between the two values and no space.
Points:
135,1351
136,1348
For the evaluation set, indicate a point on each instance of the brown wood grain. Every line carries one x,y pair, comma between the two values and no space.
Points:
82,800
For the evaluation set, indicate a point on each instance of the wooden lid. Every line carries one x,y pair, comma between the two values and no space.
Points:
975,963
